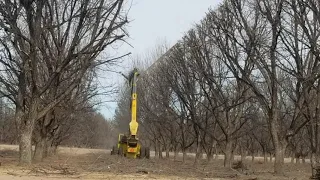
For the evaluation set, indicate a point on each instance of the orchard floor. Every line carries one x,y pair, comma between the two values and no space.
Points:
76,163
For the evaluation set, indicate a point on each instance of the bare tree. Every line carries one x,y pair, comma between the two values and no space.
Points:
8,131
57,40
253,50
300,39
157,116
46,128
122,113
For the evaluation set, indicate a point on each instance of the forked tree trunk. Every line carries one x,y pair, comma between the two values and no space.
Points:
25,133
45,141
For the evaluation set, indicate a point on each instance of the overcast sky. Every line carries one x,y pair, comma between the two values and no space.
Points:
154,20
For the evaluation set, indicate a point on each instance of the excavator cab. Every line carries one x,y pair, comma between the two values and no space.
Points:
130,147
122,139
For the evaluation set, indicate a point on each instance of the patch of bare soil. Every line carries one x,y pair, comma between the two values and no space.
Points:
99,164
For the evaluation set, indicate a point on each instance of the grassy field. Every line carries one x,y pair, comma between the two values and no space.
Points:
79,163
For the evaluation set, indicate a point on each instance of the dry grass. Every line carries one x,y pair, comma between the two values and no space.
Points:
71,163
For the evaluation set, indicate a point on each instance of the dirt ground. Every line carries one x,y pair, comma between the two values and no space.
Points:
75,163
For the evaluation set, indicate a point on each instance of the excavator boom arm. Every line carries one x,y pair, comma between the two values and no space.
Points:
130,146
133,125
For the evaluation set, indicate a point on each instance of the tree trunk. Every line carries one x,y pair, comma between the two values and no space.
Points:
176,153
25,132
198,150
160,150
314,147
53,149
209,156
313,161
279,145
217,156
216,153
184,155
42,146
314,139
167,153
39,149
292,156
279,159
243,154
228,154
265,156
297,159
156,148
48,147
212,150
25,146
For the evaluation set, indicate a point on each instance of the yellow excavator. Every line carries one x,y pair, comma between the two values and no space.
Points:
129,145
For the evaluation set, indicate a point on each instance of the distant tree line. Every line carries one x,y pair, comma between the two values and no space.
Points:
82,129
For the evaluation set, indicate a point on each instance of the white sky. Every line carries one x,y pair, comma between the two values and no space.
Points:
154,20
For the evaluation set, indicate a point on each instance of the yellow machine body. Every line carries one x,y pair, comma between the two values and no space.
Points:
127,150
129,145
